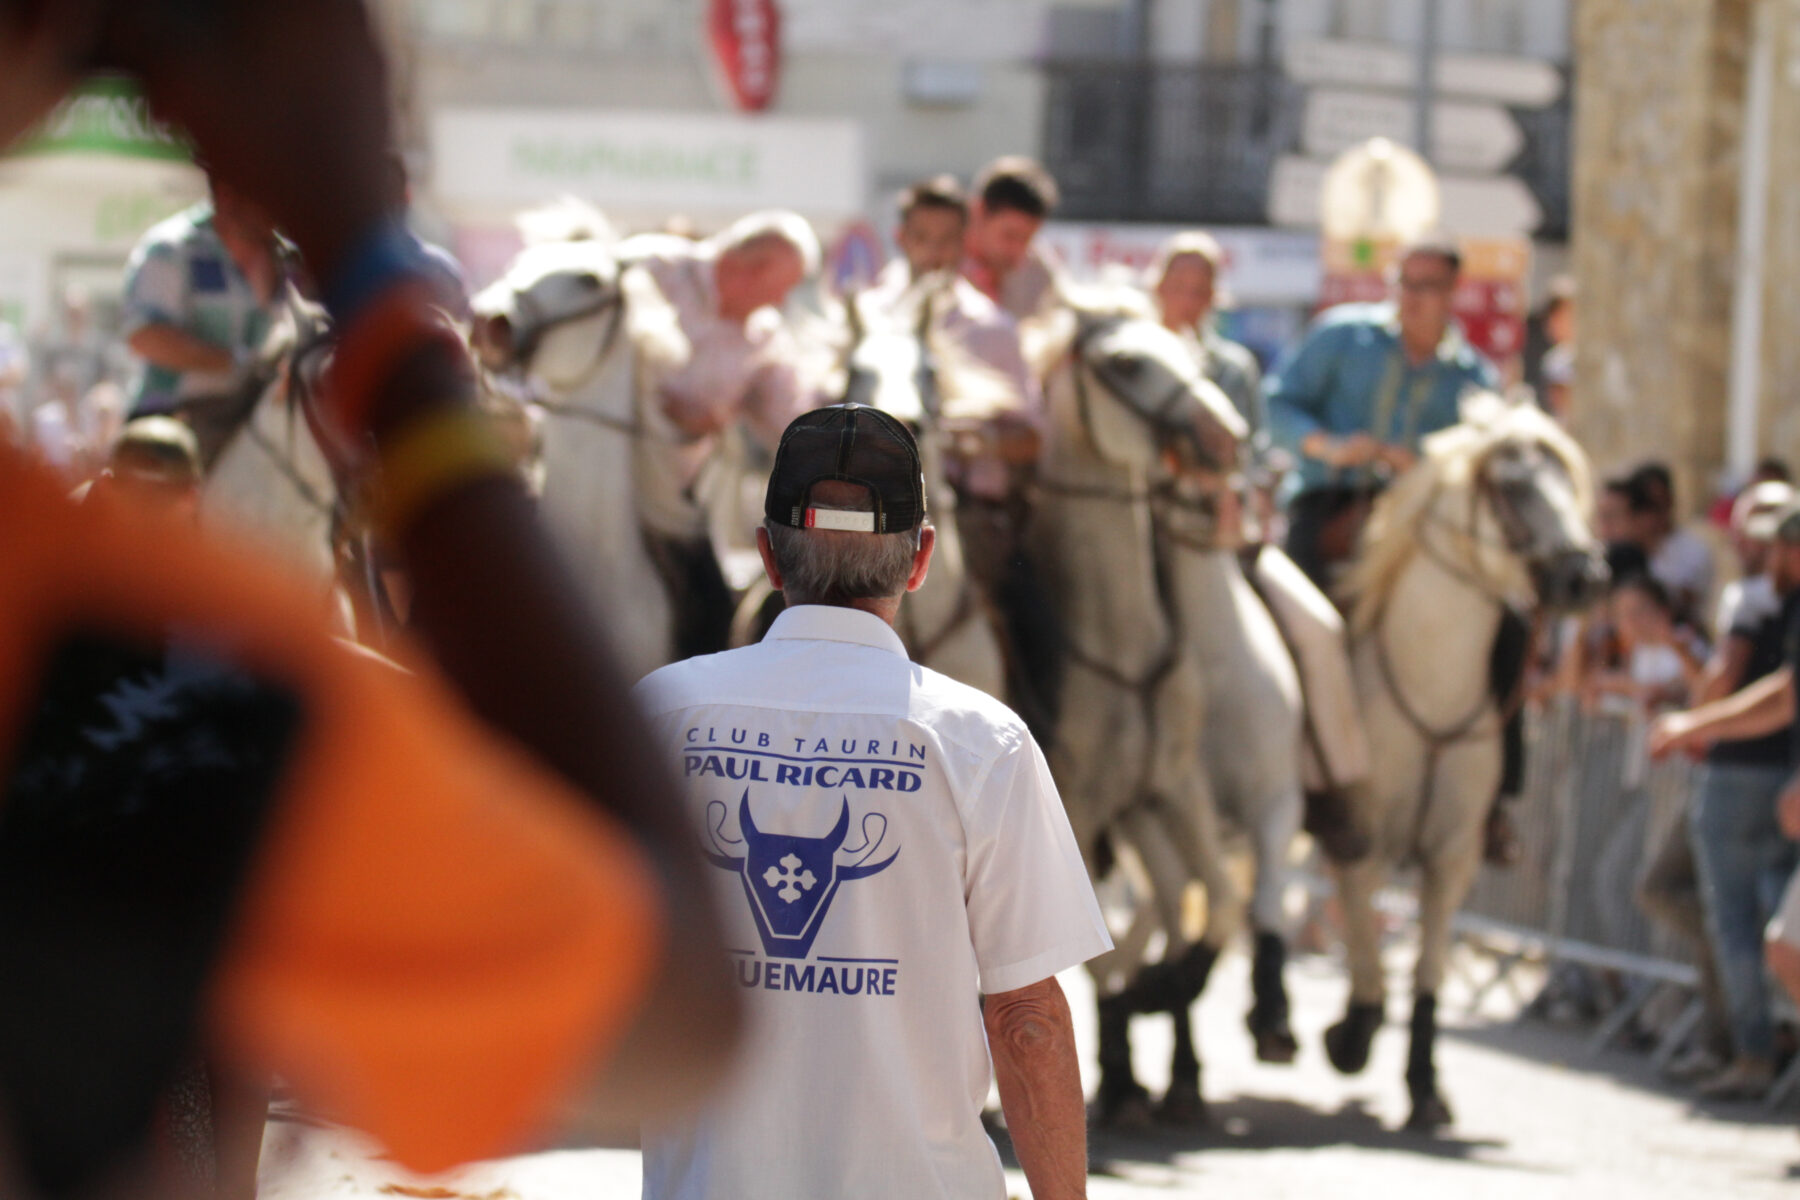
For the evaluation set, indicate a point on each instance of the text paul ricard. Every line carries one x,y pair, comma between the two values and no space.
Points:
791,878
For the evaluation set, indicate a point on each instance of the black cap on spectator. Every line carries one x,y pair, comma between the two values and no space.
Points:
850,443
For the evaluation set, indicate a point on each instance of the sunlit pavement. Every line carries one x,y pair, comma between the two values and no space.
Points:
1537,1117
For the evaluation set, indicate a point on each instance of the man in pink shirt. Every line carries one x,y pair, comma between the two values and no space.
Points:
726,293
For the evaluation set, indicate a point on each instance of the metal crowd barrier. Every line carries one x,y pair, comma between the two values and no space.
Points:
1593,816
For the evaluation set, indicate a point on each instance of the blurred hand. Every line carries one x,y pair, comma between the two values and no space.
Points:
1397,459
287,101
1671,733
1357,450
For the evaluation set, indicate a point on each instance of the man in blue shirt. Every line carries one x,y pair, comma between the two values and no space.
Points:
1352,404
1356,397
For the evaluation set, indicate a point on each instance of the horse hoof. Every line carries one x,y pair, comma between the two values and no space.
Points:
1124,1110
1182,1106
1429,1114
1348,1042
1277,1046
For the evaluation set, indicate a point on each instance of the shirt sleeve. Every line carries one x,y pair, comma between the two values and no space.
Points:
1298,390
1032,910
155,289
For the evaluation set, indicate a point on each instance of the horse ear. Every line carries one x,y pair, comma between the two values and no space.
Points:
1482,408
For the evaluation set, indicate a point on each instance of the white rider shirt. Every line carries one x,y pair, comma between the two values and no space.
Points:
886,844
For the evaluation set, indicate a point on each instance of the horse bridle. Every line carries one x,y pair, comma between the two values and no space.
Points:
536,323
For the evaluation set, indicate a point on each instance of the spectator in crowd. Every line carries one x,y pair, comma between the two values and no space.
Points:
1662,660
727,293
962,875
200,291
1612,512
1748,599
1554,378
1679,558
154,463
1741,822
1013,197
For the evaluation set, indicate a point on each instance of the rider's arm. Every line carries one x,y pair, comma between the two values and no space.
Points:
1032,1039
1298,391
176,349
156,298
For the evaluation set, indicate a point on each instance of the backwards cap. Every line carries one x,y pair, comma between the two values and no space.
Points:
850,443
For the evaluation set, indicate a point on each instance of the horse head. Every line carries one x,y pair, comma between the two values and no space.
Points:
1500,499
1138,395
1533,481
533,320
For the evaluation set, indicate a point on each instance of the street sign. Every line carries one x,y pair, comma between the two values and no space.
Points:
1488,207
1465,135
1519,82
1477,206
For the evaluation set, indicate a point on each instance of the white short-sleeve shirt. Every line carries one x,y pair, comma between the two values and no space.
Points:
887,844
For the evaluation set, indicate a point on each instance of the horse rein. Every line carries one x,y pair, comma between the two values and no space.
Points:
539,326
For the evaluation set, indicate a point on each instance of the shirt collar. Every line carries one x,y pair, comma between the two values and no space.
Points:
829,623
1450,347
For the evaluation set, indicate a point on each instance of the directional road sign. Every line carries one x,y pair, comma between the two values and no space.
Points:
1519,82
1490,206
1465,135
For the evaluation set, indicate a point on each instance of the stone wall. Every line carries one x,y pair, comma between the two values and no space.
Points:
1659,112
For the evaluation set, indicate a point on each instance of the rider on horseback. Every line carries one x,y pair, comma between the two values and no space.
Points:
1353,403
726,293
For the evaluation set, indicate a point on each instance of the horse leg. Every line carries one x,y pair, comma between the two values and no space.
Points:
1347,1043
1183,1104
1268,1017
1441,893
1121,1101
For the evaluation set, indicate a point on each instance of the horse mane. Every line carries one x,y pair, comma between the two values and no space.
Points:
1451,459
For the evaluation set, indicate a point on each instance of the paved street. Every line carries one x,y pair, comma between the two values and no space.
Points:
1537,1117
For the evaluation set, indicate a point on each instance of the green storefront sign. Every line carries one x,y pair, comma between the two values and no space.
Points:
108,116
592,161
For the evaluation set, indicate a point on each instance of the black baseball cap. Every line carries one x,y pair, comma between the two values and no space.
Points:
850,443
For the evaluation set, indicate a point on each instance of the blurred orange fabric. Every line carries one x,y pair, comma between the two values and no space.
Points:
438,941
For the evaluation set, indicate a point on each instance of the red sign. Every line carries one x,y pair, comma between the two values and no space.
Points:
746,44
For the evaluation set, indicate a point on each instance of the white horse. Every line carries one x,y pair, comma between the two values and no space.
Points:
269,481
1492,517
1251,730
1124,398
591,339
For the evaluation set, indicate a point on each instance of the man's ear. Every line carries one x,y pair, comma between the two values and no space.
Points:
765,548
921,558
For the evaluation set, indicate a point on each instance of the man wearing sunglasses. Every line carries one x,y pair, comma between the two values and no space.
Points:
1353,402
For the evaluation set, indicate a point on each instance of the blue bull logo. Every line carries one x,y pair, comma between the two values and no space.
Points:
790,880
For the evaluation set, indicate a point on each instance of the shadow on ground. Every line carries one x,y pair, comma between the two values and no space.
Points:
1259,1123
1569,1050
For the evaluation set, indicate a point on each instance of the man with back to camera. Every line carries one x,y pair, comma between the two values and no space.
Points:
887,843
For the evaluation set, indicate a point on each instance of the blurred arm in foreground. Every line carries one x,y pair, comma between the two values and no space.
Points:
288,103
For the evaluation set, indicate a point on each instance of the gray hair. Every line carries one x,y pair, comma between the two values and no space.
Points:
820,566
772,225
